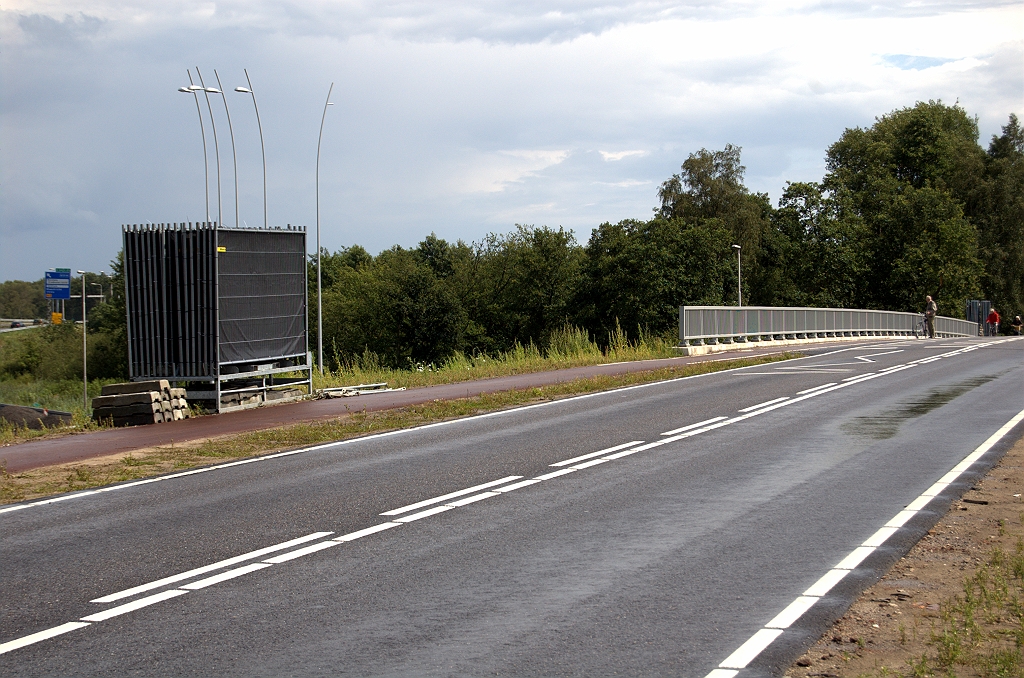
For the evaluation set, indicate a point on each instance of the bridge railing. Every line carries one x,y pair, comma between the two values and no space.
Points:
701,324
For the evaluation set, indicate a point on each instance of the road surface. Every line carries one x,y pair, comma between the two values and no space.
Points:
706,526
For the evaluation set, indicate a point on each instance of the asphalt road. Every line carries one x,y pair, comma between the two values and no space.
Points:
673,558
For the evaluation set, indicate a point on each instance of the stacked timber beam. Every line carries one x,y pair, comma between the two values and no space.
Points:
140,402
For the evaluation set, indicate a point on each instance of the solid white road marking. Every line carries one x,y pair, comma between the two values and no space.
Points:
474,498
292,555
812,390
41,635
134,605
358,534
516,486
692,426
765,404
224,576
825,584
424,514
450,495
879,537
855,558
588,464
793,611
555,474
568,462
857,376
252,555
722,673
750,649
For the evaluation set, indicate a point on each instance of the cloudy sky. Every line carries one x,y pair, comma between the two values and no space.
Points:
458,118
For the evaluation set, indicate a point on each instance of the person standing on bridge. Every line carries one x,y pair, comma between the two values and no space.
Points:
930,310
993,323
1017,325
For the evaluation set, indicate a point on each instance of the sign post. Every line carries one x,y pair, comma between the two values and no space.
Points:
57,286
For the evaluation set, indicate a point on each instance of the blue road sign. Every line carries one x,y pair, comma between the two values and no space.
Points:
58,284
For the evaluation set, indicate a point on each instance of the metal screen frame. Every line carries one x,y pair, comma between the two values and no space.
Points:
173,297
759,323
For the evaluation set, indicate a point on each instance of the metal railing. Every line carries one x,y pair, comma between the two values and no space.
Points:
762,323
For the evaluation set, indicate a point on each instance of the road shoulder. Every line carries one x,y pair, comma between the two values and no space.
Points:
951,605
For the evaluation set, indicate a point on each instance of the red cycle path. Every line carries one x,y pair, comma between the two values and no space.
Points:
64,449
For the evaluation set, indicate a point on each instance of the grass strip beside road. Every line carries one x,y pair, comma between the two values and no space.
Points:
51,480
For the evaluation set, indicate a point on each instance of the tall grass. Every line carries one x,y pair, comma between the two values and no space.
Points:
568,346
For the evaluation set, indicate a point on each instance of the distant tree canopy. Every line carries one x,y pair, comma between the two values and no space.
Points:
910,206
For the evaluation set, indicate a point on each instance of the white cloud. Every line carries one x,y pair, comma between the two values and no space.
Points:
493,172
611,156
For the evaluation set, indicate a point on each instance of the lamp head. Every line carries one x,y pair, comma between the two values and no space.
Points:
196,88
213,90
736,247
186,90
82,272
243,90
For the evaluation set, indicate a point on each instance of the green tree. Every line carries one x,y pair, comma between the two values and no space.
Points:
22,299
909,179
1001,223
638,273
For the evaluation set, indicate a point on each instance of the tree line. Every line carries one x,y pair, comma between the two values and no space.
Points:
908,207
911,206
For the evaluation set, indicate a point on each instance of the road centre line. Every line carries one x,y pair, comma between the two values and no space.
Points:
765,404
340,443
812,390
763,638
359,534
692,426
40,635
134,605
292,555
582,457
252,555
231,574
450,495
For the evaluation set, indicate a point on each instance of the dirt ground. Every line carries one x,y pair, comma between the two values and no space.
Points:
952,606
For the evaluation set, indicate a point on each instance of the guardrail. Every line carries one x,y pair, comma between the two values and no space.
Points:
712,324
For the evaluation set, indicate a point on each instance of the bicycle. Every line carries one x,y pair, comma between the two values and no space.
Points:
921,328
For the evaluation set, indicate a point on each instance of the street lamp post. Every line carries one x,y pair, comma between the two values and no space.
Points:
263,149
231,131
739,276
85,369
319,290
191,89
216,146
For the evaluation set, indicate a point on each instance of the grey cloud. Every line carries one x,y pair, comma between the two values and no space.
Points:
59,33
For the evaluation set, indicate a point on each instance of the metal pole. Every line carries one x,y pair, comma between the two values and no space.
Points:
263,148
216,146
234,156
739,276
85,369
202,130
319,291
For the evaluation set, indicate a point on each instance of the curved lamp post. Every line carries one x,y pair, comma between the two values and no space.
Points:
231,131
739,277
193,90
248,90
319,291
216,146
85,369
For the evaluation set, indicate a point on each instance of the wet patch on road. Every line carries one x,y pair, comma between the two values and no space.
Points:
887,424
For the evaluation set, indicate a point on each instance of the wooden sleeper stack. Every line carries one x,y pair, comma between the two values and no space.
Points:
140,402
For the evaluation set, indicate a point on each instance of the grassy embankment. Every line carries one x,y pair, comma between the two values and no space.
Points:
143,463
23,359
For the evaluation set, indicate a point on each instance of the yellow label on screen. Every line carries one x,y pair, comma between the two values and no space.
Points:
222,249
56,318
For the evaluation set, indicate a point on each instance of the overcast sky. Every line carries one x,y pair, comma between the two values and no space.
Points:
458,118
